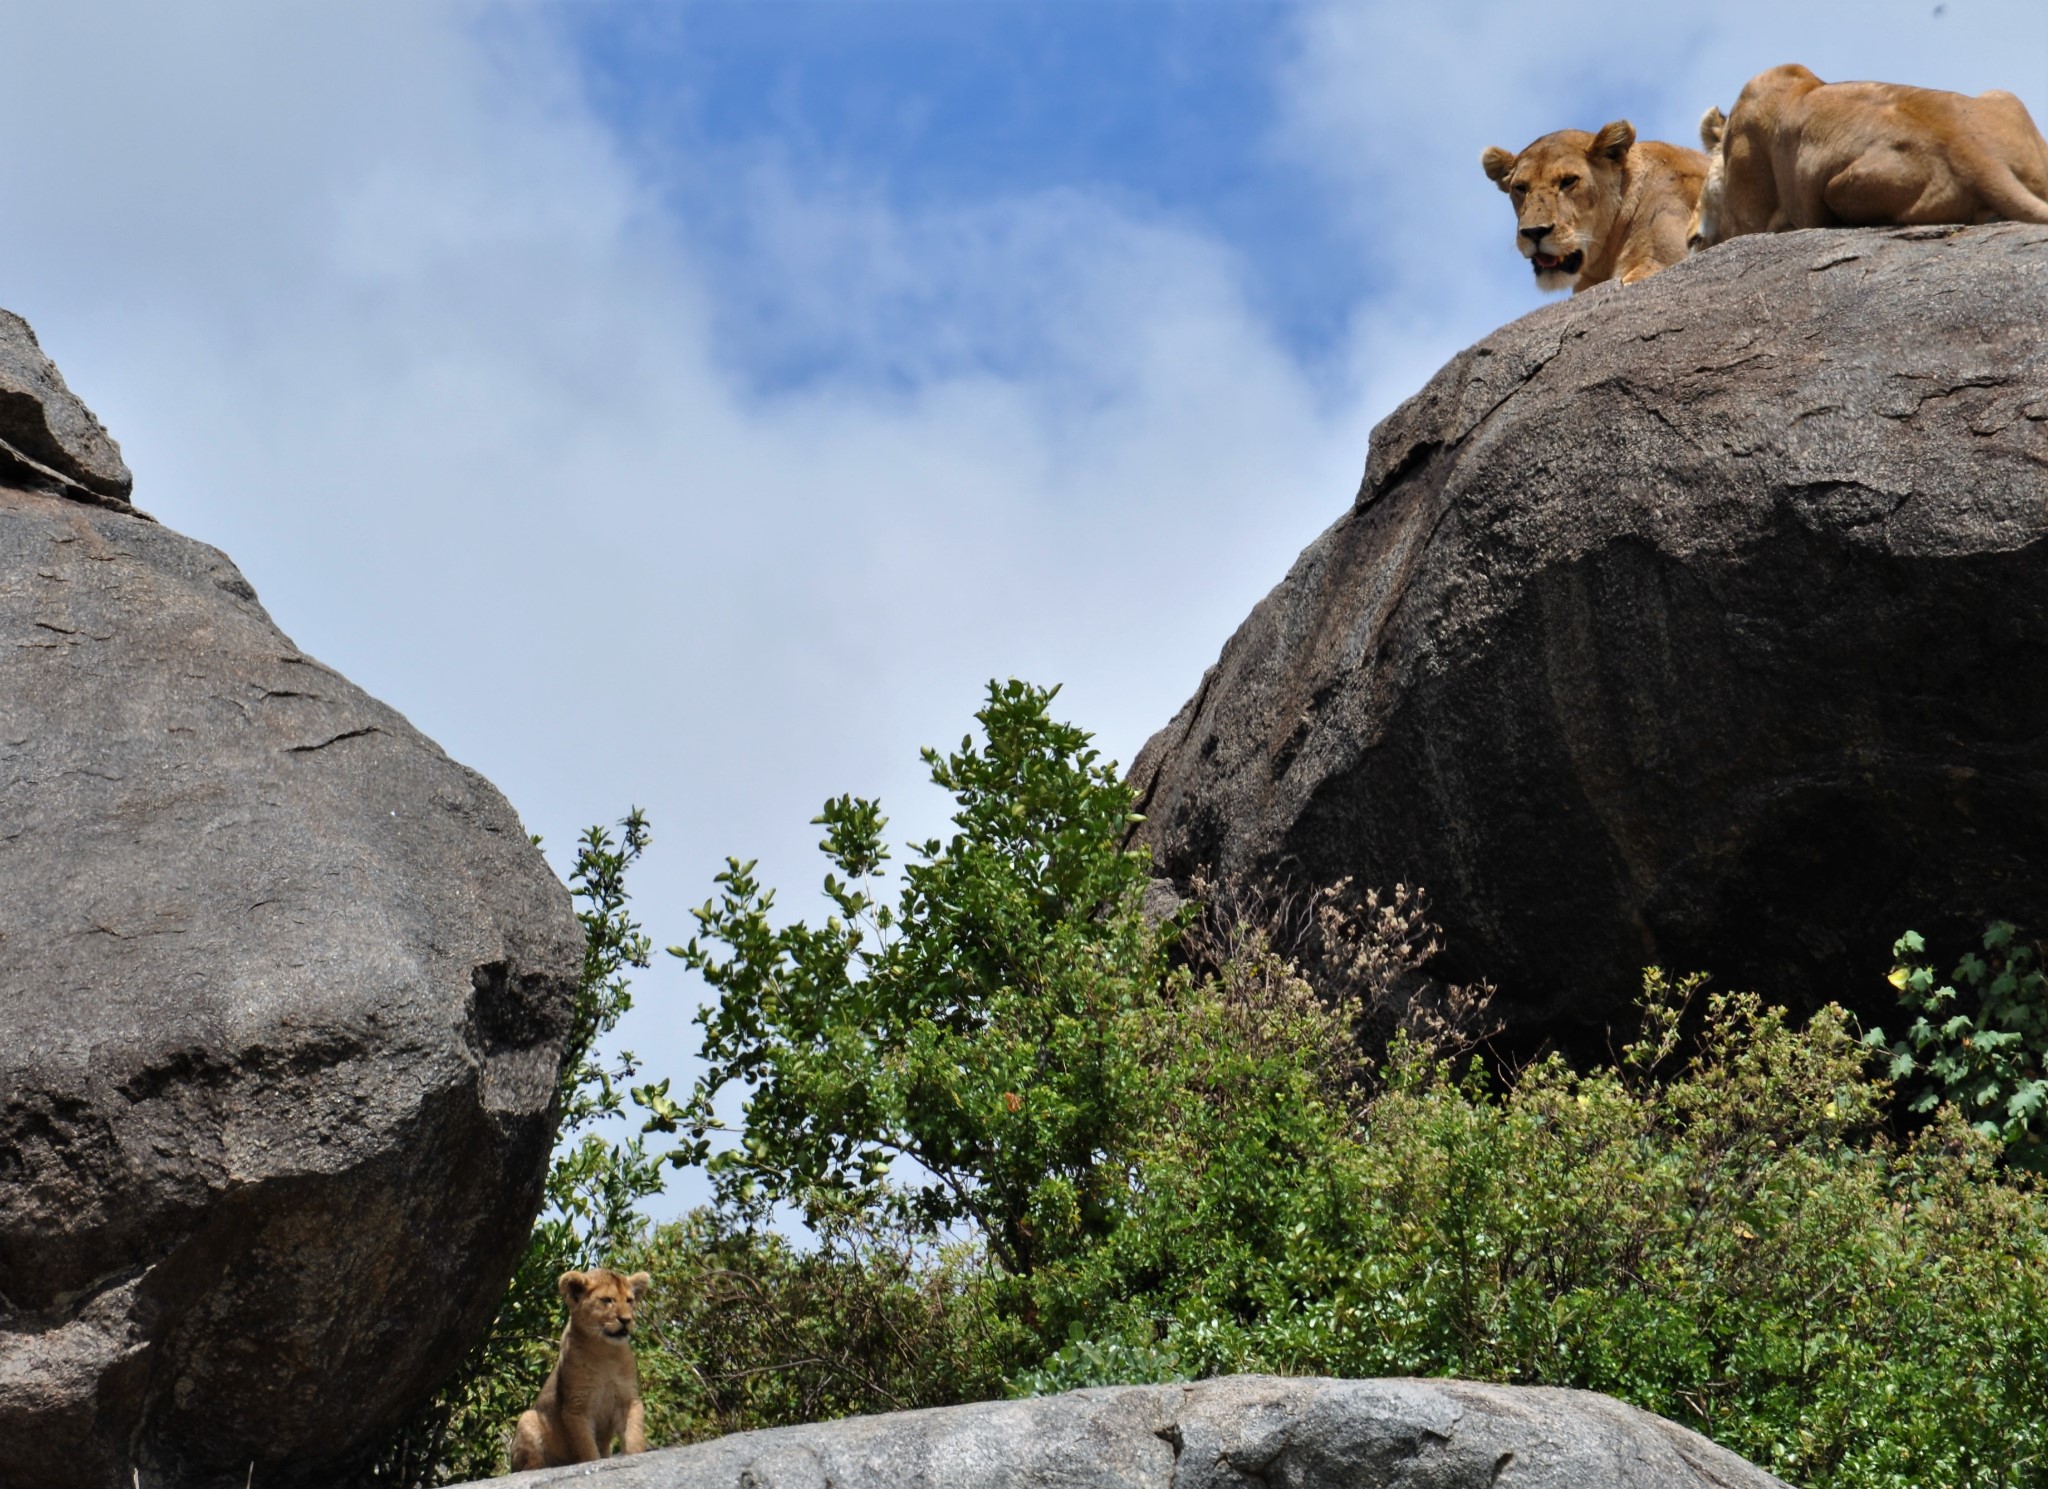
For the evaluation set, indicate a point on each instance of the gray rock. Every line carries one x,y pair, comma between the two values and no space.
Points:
1697,622
49,441
1242,1432
283,994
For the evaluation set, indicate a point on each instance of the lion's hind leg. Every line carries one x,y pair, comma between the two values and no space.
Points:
529,1443
1891,186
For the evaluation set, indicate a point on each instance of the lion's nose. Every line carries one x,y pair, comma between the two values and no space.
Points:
1536,234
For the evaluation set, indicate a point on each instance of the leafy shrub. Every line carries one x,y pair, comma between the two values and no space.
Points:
1082,1362
1730,1240
745,1329
990,1028
1978,1042
1365,951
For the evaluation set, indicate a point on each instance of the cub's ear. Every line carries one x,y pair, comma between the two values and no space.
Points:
572,1286
640,1282
1712,123
1497,163
1614,139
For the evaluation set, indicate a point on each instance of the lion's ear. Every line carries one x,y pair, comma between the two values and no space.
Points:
572,1286
1712,123
1614,139
1497,163
640,1282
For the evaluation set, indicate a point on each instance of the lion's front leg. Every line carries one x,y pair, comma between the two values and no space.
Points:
1641,262
1658,244
580,1436
1638,271
634,1437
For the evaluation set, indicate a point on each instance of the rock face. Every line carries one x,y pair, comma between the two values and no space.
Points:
1698,622
49,441
283,993
1242,1432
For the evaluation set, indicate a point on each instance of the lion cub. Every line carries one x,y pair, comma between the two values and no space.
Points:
593,1394
1593,207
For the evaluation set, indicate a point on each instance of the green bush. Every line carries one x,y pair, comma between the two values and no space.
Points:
1733,1243
1083,1362
1723,1234
1978,1042
747,1329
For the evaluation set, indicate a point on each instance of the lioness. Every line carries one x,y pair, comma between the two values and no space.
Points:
1591,206
1796,152
593,1394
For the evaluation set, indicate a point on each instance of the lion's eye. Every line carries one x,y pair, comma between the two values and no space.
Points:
1566,183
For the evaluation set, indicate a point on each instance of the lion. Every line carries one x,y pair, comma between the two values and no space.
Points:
1796,153
1589,207
592,1396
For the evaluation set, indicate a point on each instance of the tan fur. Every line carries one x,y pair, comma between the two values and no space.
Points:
1796,152
1621,205
592,1396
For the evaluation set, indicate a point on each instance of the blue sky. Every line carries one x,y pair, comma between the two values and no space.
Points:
694,405
1168,111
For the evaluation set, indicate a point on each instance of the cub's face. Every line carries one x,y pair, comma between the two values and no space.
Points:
1566,189
601,1300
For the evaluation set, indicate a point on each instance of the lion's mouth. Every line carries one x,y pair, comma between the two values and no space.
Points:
1550,264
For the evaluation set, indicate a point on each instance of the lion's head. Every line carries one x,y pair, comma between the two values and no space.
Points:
601,1300
1704,230
1567,189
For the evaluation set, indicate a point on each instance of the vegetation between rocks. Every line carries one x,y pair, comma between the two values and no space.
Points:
1041,1142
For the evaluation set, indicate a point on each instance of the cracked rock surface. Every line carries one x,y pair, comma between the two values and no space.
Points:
1698,622
283,992
1240,1432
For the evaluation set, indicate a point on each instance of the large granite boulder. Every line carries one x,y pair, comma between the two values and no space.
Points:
1241,1432
1697,622
283,994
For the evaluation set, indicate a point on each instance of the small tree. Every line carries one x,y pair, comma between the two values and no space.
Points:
989,1029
